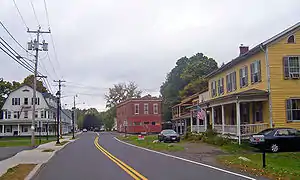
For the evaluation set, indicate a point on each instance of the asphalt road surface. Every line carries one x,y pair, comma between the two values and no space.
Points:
105,158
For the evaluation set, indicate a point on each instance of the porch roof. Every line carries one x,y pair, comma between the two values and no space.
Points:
248,95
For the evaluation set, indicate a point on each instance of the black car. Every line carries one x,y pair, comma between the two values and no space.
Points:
277,139
168,135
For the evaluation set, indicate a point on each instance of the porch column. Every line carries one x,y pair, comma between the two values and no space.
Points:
198,124
223,120
212,117
238,121
185,124
18,129
176,127
205,120
191,119
180,126
3,128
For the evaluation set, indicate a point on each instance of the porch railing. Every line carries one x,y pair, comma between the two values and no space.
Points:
218,128
230,129
248,129
201,128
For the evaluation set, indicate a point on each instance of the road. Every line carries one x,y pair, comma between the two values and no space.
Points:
105,158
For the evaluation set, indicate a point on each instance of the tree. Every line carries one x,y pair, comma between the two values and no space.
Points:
6,87
39,84
185,79
120,92
108,118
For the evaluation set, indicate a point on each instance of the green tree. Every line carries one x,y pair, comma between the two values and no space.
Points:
108,118
185,79
6,87
39,84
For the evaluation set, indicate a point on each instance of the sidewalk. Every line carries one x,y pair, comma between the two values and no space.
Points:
34,156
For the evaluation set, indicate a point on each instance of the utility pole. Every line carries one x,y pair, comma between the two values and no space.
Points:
73,117
58,94
36,46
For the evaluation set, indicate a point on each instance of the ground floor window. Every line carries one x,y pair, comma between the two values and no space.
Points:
293,109
257,112
8,129
153,123
137,123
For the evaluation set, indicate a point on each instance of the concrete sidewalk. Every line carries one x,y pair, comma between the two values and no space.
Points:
34,156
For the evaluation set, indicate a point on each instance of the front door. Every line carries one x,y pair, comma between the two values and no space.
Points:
244,113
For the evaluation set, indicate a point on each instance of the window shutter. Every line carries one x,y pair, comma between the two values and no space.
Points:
246,72
227,83
234,80
212,90
222,85
259,71
251,71
241,81
288,110
286,67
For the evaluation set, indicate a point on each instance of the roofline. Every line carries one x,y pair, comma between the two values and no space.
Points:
130,100
253,51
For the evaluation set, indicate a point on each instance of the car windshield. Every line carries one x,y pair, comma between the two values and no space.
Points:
266,132
168,132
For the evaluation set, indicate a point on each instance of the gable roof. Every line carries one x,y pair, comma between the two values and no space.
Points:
254,50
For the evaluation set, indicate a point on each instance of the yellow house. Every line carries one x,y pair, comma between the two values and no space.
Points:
258,89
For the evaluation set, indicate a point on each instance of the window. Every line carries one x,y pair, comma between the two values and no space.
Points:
137,123
221,86
146,122
153,123
16,115
25,101
155,108
15,101
291,67
255,71
25,129
25,114
36,114
8,114
136,109
146,109
37,101
257,112
293,109
282,132
244,77
231,81
213,89
42,114
291,39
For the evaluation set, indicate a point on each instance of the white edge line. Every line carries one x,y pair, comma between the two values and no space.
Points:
190,161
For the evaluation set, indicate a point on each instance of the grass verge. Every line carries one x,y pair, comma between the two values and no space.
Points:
61,143
23,141
18,172
284,165
48,150
148,143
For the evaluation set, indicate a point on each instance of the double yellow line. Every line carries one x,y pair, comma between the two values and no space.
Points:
133,173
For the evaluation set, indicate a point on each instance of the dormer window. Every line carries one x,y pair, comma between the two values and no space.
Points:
291,39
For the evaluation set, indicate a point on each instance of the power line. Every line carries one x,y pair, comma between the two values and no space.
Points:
22,19
47,15
37,20
15,39
48,57
54,49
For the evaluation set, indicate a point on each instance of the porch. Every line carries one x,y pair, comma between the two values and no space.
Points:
240,114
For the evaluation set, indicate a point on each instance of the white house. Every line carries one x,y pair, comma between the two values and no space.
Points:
17,114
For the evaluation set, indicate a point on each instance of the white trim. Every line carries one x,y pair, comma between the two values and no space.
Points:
187,160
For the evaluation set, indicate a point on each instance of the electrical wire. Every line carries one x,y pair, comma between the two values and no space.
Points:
15,39
22,19
47,15
36,18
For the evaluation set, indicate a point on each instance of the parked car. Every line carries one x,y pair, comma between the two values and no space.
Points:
168,135
96,130
84,130
276,139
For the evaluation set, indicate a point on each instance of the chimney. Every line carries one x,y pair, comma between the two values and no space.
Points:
243,49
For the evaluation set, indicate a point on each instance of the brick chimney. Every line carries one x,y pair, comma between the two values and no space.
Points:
243,49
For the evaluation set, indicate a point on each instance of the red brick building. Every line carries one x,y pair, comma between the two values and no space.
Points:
141,114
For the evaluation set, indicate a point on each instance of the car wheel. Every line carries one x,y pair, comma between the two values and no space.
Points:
274,148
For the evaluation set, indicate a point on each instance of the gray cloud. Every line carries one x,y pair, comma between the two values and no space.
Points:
100,43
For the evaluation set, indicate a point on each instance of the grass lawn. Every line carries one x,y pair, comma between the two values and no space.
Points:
18,172
285,165
23,141
148,143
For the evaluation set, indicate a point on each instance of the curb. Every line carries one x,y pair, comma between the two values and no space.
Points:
38,167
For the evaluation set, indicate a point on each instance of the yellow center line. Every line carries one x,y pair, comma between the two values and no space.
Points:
133,173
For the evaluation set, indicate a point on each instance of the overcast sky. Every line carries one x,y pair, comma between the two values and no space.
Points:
99,43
